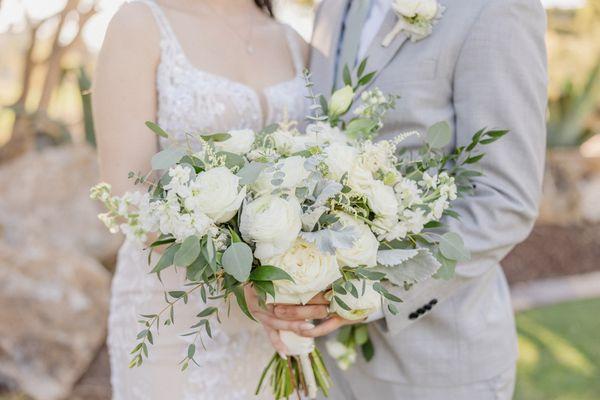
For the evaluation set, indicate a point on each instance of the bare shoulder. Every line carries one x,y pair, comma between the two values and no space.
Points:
304,46
132,28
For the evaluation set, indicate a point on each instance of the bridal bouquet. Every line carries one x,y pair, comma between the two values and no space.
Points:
295,214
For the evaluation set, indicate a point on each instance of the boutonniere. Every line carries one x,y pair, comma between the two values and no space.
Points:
416,18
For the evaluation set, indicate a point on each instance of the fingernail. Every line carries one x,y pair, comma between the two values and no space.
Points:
282,355
306,326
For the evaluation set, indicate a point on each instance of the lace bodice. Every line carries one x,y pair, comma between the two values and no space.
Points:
192,100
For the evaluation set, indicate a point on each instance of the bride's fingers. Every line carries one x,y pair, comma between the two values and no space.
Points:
282,325
295,313
325,327
276,341
319,299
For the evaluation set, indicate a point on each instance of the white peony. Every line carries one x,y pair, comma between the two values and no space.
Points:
425,9
312,270
273,223
216,193
293,176
382,199
366,304
364,250
339,158
240,142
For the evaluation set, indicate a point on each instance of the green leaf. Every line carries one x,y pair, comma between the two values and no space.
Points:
166,158
366,79
237,261
269,129
360,127
238,291
191,350
177,294
361,334
361,67
157,129
207,311
269,273
188,252
160,242
346,76
452,247
439,135
474,159
368,350
216,137
447,268
232,160
250,172
344,334
341,303
166,260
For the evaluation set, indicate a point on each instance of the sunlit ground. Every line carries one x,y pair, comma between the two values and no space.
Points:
560,352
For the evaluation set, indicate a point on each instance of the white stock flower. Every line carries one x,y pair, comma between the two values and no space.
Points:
407,193
389,228
366,304
216,193
425,9
382,199
339,158
414,220
377,156
312,270
240,142
180,176
273,223
364,249
293,172
345,356
429,181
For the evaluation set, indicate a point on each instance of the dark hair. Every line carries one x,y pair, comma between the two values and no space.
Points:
266,6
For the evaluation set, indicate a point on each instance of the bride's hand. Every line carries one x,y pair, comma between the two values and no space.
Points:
271,323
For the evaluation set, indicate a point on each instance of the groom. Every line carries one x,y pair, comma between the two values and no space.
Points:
483,65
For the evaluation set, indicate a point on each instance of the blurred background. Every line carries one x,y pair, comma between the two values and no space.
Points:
56,259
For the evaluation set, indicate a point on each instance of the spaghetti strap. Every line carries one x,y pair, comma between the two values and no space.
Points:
295,49
166,32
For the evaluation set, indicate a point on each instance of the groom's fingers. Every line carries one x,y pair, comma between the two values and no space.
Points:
295,313
325,327
319,299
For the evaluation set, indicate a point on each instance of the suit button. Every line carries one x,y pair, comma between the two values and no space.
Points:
433,302
421,311
413,316
428,307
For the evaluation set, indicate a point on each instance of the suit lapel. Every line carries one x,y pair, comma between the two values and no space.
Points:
326,42
379,56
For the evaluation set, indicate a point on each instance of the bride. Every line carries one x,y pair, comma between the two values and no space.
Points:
192,66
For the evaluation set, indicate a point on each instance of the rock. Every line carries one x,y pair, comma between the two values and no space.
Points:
53,308
44,196
571,189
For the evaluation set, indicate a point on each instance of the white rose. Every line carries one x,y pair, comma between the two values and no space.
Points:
360,179
339,159
382,199
320,133
426,9
364,250
287,143
216,193
293,171
377,156
312,270
366,304
345,356
240,142
272,223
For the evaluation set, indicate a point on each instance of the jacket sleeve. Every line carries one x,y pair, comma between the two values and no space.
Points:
499,82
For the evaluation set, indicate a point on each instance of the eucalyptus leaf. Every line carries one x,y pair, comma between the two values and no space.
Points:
166,158
188,252
166,260
446,271
453,248
250,172
216,137
439,135
237,261
269,273
232,159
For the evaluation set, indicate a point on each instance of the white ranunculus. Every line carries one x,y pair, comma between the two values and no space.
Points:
273,223
293,172
366,304
216,193
382,199
426,9
345,356
364,250
312,270
240,142
339,159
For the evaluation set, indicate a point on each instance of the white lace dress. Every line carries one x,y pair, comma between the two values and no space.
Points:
191,100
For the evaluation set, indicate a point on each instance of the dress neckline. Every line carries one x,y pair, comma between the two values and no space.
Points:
168,32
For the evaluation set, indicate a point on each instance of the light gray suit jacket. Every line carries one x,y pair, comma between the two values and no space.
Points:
484,65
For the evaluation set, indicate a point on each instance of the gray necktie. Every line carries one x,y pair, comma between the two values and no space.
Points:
356,17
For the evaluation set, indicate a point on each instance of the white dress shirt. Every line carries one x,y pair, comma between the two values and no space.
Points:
377,13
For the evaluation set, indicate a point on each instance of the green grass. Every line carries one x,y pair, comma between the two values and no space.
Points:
559,352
